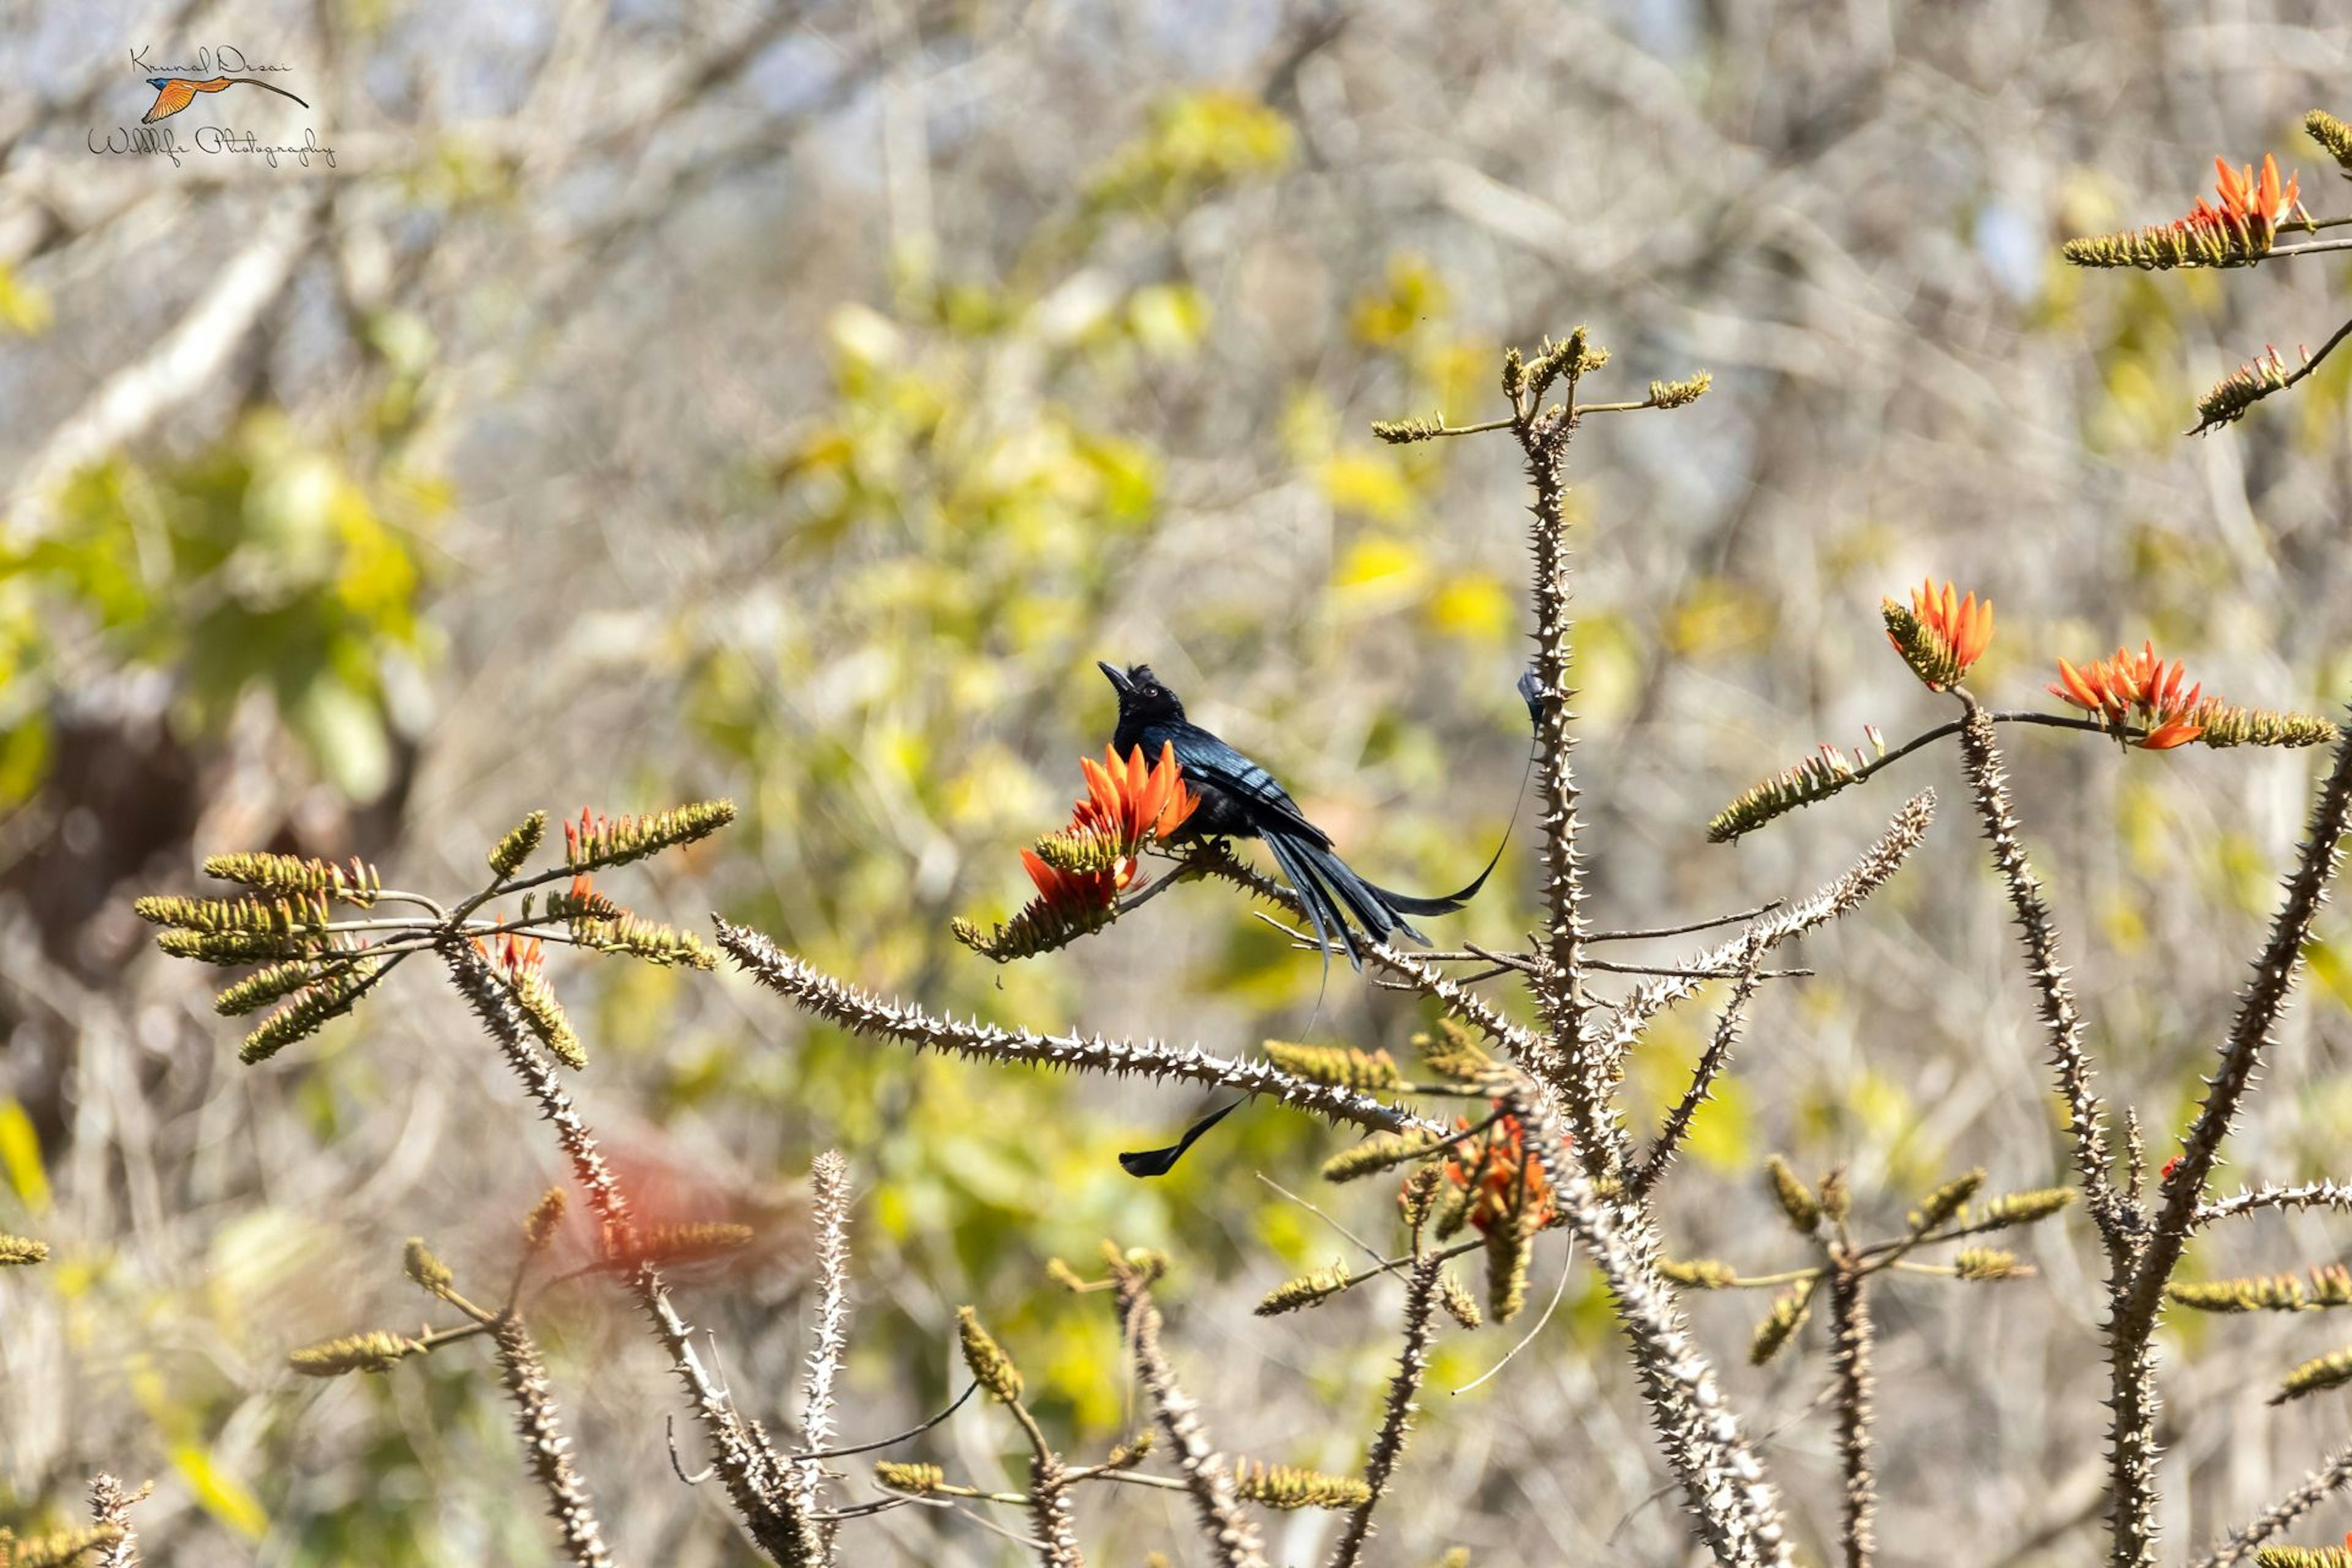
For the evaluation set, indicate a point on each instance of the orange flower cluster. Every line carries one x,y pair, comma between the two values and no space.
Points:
1501,1183
2250,208
1127,806
513,957
1080,871
2136,686
1940,635
2239,231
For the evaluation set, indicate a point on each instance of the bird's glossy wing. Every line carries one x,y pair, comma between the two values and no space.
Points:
1206,760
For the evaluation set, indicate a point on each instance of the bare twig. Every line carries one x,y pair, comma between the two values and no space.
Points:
2322,1483
1703,1075
1606,1046
1650,933
917,1430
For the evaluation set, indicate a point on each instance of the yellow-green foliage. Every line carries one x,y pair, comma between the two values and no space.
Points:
266,563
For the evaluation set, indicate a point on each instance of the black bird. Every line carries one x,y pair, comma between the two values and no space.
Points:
1240,799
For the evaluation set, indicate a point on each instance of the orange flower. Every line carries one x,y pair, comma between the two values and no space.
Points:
514,958
2247,221
2238,232
1071,890
2247,200
1940,635
1492,1183
2131,687
1080,871
1132,804
1127,806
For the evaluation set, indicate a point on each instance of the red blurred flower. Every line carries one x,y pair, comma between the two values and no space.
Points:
1498,1177
2136,686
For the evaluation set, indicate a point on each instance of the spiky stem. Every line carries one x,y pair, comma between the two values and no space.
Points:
1831,899
2140,1302
753,1472
1849,1346
1396,1417
2322,1483
829,1183
1543,438
1231,1534
861,1012
110,1505
1732,1503
2062,1021
545,1449
1710,1066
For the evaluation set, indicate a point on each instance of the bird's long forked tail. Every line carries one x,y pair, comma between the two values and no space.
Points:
1378,910
1147,1163
1447,903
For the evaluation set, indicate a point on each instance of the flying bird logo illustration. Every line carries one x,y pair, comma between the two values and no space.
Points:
175,93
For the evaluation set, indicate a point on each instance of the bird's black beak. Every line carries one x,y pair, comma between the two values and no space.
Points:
1118,679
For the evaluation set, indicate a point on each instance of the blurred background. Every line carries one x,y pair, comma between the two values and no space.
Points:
661,400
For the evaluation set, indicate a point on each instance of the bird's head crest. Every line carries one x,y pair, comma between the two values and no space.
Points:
1140,694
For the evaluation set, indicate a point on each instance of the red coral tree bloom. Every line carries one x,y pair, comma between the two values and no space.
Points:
2131,687
1080,871
1070,891
1501,1181
2238,233
2250,206
1941,635
1130,805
